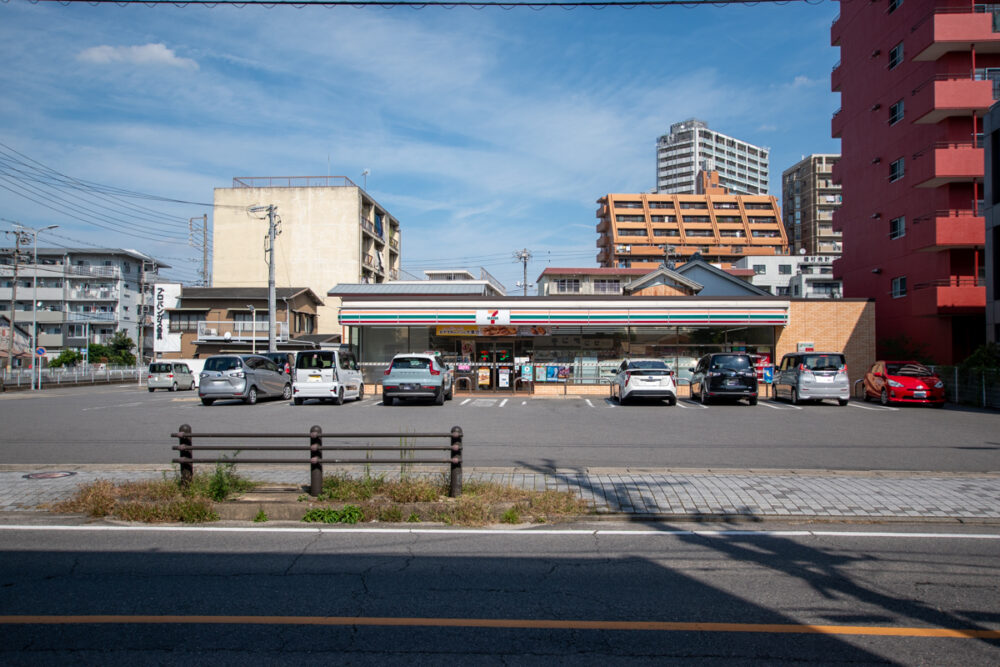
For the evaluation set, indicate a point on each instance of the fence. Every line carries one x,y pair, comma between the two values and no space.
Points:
974,386
20,378
315,448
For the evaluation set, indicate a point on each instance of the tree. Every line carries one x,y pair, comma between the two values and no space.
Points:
120,347
66,358
985,356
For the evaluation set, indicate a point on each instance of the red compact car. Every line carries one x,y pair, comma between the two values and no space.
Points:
903,382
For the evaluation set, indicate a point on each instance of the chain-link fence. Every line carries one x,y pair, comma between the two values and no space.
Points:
974,386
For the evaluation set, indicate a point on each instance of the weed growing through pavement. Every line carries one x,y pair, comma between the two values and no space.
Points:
347,514
260,517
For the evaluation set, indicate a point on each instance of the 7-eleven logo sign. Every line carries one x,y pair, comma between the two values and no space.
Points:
493,316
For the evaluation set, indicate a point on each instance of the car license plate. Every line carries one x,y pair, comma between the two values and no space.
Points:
732,383
824,378
407,387
315,378
920,394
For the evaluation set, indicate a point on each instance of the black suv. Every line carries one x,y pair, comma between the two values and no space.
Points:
725,375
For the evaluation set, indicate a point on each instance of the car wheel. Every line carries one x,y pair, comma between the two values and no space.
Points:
207,401
339,399
671,401
361,392
251,397
388,401
151,390
795,397
884,397
297,400
439,397
286,393
451,393
842,401
191,386
703,395
173,387
865,397
752,400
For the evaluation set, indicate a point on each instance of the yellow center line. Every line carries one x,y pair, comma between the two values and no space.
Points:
526,624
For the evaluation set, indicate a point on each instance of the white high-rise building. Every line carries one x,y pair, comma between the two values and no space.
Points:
691,148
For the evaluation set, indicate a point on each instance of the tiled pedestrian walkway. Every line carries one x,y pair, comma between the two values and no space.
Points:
668,493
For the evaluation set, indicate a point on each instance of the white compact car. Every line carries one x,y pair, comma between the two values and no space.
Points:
331,375
644,378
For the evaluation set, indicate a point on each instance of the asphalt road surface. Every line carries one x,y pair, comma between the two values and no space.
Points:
126,424
615,595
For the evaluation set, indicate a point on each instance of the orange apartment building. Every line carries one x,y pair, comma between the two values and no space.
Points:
639,230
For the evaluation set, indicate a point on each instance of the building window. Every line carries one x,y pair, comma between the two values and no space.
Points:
184,322
896,170
631,232
899,287
897,227
896,113
760,269
628,204
607,287
894,5
568,286
896,55
785,269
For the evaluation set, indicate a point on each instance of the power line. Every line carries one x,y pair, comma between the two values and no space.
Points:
445,4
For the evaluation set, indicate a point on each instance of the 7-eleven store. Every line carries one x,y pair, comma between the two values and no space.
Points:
575,344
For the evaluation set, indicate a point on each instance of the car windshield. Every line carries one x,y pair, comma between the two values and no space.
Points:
221,363
651,365
314,360
411,363
910,368
160,368
733,362
823,362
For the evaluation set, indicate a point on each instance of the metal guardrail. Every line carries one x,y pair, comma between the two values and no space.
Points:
316,447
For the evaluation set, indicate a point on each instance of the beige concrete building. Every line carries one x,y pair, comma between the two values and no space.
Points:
809,197
331,231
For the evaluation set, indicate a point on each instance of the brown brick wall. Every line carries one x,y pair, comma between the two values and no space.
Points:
846,326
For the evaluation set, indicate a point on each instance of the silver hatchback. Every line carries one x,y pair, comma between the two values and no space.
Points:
242,376
170,375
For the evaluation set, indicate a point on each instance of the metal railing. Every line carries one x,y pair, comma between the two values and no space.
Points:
20,378
315,449
293,182
953,281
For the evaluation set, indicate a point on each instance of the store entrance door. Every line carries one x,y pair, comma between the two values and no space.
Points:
494,365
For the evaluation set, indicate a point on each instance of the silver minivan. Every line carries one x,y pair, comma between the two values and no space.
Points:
331,375
169,375
812,376
243,376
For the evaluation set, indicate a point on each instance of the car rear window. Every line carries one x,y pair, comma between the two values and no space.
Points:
160,368
314,360
221,364
411,363
911,369
735,362
651,365
823,362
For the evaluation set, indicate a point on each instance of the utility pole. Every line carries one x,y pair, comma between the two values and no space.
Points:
523,256
13,301
193,230
272,232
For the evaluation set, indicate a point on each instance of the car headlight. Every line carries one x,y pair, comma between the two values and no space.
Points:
897,385
938,384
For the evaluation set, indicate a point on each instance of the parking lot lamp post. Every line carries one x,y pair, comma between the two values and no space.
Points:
253,328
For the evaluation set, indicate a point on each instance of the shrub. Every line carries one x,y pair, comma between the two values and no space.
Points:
348,514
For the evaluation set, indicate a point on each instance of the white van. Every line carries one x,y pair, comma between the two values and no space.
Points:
327,375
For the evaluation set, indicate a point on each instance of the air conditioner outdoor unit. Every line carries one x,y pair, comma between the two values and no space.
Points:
211,332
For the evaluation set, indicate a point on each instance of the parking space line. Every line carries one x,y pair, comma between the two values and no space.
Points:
770,404
611,403
465,401
502,403
588,402
877,408
688,404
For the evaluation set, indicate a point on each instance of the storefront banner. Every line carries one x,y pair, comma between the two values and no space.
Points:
165,296
467,330
484,377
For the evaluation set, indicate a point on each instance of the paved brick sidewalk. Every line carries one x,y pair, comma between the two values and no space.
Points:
836,495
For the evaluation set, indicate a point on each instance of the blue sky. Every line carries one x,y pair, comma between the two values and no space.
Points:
484,131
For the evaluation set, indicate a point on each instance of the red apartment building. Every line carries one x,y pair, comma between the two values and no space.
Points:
916,79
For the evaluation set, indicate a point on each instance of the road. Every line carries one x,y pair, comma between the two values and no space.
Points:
125,424
601,594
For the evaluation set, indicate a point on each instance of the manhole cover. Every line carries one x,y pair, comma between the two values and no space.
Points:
49,475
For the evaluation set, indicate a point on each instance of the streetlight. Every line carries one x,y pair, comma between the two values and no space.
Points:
253,324
34,305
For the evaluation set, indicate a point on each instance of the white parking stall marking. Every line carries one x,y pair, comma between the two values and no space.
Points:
588,402
502,403
484,402
105,407
524,402
769,404
877,408
688,404
465,401
611,403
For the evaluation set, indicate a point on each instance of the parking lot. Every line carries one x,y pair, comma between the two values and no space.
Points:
125,424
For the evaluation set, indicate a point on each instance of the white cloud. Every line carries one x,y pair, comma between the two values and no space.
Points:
147,54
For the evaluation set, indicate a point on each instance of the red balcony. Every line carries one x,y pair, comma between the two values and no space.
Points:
837,126
947,96
949,296
946,229
604,257
835,174
945,162
835,78
602,211
953,29
835,32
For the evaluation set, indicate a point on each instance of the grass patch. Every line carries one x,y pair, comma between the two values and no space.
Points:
158,501
347,514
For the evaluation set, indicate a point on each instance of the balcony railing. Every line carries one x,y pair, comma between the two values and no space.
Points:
293,182
227,330
94,294
953,281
